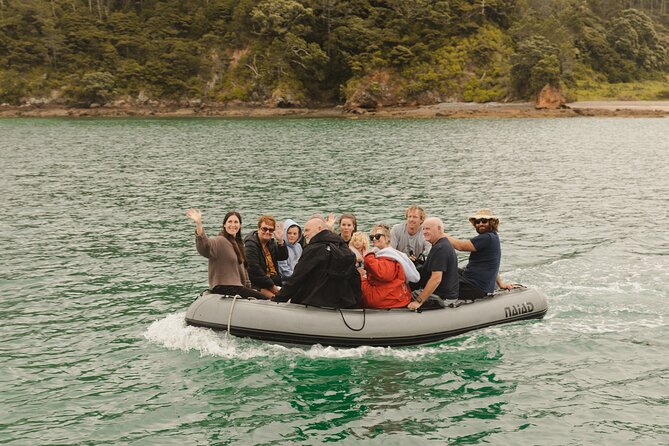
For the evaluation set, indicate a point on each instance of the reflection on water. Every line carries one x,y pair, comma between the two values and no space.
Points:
99,267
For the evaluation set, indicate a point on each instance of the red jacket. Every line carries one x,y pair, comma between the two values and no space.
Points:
385,285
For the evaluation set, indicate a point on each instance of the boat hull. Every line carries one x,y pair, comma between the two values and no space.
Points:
300,324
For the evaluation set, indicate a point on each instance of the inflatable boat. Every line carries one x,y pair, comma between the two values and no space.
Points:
300,324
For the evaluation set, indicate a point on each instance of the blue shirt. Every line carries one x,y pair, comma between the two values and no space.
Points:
442,258
483,266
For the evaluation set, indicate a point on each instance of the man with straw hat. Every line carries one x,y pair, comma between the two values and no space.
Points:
479,277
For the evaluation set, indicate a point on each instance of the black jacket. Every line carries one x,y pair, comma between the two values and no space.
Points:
256,259
322,278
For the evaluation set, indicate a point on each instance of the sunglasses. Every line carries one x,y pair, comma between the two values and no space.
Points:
481,220
270,230
375,237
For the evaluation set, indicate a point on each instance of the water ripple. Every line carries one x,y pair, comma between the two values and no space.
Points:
99,267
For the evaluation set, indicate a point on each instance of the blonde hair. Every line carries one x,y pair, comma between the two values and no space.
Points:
359,237
385,229
413,207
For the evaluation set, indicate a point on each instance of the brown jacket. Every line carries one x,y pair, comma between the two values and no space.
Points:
224,269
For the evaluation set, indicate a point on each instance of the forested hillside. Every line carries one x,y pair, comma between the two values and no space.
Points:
318,52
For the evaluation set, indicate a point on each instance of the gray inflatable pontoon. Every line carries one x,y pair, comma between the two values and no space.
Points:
300,324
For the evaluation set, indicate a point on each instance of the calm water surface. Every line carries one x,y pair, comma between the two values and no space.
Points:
98,267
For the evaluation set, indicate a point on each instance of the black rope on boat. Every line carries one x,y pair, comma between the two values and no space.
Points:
364,320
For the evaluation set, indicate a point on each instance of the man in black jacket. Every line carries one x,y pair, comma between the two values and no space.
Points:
325,275
263,253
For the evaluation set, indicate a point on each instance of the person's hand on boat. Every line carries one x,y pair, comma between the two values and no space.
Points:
413,305
503,285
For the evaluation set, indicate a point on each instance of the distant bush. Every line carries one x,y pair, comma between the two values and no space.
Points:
12,87
96,87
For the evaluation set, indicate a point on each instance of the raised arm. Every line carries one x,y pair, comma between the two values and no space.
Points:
196,216
202,244
461,245
330,221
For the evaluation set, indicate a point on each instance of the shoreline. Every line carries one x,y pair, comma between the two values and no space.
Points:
629,109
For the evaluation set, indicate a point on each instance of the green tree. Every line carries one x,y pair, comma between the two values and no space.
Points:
535,63
279,17
633,36
96,87
318,50
13,87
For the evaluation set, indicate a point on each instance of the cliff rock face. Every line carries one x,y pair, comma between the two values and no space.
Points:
282,98
550,98
372,92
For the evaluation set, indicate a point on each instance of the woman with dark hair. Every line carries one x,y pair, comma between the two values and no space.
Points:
227,259
348,224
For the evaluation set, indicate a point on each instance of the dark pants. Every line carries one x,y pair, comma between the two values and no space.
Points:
469,291
276,280
234,290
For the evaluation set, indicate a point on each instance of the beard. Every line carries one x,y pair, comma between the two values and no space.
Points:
483,230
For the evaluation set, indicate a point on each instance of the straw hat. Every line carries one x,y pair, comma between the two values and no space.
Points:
483,213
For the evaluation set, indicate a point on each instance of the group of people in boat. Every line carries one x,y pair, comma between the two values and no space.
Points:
412,265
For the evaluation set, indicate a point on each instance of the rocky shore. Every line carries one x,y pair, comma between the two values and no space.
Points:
442,110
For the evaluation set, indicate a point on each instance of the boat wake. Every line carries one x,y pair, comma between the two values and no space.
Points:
610,289
172,332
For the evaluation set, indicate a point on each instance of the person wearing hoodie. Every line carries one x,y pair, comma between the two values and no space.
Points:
292,235
263,253
387,271
325,275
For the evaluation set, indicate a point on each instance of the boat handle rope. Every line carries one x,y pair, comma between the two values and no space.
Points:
364,320
232,307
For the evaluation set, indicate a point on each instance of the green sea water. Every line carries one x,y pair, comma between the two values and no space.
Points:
98,266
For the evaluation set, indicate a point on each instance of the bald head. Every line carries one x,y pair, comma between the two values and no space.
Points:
313,226
433,229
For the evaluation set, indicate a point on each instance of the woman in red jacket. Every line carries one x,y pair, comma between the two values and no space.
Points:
384,282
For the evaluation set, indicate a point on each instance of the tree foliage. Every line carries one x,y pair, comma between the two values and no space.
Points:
309,51
535,63
91,88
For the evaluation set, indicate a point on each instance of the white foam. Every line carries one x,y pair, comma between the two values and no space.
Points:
173,333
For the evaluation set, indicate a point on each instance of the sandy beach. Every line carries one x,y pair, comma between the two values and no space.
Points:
442,110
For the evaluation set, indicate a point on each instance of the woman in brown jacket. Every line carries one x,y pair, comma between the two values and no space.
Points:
227,260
